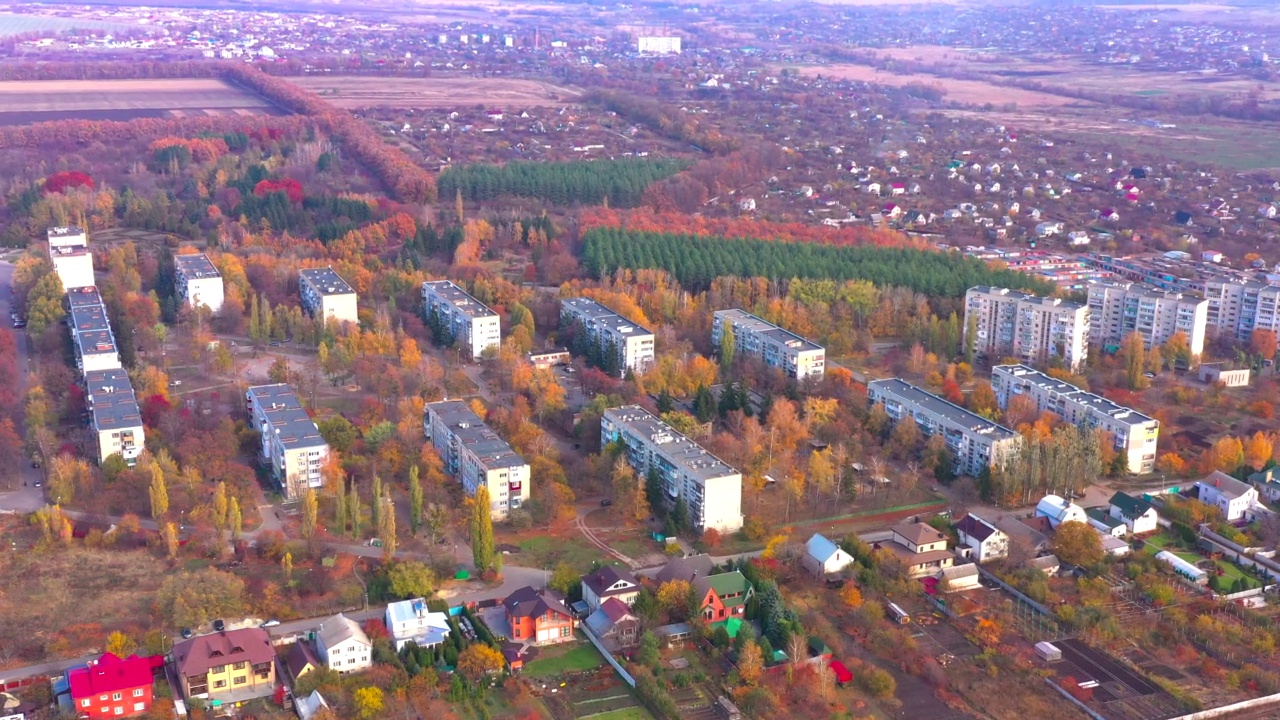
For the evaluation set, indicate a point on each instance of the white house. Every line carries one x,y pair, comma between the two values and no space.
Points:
343,645
959,578
1137,514
1059,511
1233,497
1105,524
922,549
824,557
410,620
609,582
986,540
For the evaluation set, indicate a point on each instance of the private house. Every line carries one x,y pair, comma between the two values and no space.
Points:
686,568
986,541
1105,524
300,660
609,582
410,620
343,645
921,548
1047,564
1059,510
1233,497
1267,484
110,687
231,666
824,557
614,625
1137,514
722,596
1114,546
538,617
959,578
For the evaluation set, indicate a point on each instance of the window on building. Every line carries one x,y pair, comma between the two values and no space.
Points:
218,670
238,666
139,707
119,710
241,679
137,692
566,631
84,703
115,696
218,684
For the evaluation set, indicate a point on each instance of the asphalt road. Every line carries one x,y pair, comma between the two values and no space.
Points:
14,495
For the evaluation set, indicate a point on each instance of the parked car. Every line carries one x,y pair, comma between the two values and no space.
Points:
269,624
219,625
606,502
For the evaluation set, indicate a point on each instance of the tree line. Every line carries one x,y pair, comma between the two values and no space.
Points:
619,182
697,260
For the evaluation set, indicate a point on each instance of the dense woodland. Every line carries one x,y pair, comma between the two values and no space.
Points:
619,183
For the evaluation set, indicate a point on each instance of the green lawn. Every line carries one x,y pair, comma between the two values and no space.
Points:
551,551
1162,541
567,658
631,713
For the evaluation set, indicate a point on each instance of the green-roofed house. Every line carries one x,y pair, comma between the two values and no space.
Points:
1136,513
723,596
1105,524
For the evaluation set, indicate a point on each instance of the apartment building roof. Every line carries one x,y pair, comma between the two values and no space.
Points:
195,267
65,231
477,437
602,315
326,281
1146,291
1118,413
458,298
1048,302
950,411
767,329
679,449
109,396
83,296
92,330
280,407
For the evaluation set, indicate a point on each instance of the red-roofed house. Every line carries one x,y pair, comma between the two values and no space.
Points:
110,687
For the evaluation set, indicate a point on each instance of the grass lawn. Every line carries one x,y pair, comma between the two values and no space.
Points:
631,713
568,658
1231,572
1161,540
551,551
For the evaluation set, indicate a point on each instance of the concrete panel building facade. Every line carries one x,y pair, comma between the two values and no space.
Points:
69,253
976,442
114,415
472,322
1116,310
711,489
777,348
91,336
326,295
291,444
620,343
476,456
197,281
1135,434
1000,322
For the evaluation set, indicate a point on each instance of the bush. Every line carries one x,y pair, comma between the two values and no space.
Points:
877,683
754,529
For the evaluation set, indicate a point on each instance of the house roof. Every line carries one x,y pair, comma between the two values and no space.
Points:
109,674
197,655
1014,527
724,584
606,577
1130,506
339,629
918,533
310,705
1225,484
821,549
1055,507
957,572
532,603
975,527
300,659
1100,516
686,568
1046,563
611,612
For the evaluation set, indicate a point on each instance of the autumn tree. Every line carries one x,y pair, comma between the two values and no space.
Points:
369,701
1262,344
628,494
1133,354
750,663
411,579
728,345
120,645
234,519
673,598
45,306
310,508
159,493
983,400
1078,543
415,500
1227,454
219,508
1177,350
190,599
387,530
477,661
1257,451
482,546
905,441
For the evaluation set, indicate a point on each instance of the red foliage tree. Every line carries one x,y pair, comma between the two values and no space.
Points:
288,186
61,181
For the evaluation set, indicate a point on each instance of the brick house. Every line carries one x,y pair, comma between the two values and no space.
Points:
231,666
538,617
110,687
722,596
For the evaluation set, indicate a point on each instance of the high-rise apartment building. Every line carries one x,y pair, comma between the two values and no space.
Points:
468,319
1010,323
1237,308
291,444
777,348
476,456
1119,309
114,415
621,344
326,295
69,253
197,281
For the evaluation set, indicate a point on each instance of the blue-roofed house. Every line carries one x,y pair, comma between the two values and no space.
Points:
410,620
824,557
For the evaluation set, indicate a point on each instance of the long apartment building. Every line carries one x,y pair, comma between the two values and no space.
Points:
291,444
476,456
326,295
197,281
1010,323
1118,309
471,321
777,348
976,442
114,415
1236,309
631,345
69,253
95,345
711,489
1135,434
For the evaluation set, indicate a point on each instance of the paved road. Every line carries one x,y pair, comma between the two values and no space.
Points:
49,668
15,495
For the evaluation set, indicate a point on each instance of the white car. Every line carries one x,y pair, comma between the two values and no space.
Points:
269,624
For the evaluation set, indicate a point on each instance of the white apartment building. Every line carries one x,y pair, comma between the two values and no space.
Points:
343,645
197,281
69,253
476,456
1010,323
326,295
711,489
1135,434
658,45
115,418
1118,309
291,444
976,442
777,348
95,345
471,321
1237,308
631,346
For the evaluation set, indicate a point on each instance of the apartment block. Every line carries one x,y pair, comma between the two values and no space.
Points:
472,322
976,442
711,489
1118,309
777,348
95,345
620,343
1010,323
476,456
197,281
326,295
1135,434
114,415
291,444
1237,308
69,253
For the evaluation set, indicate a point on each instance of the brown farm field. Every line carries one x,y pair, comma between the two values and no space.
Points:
970,92
360,92
27,101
